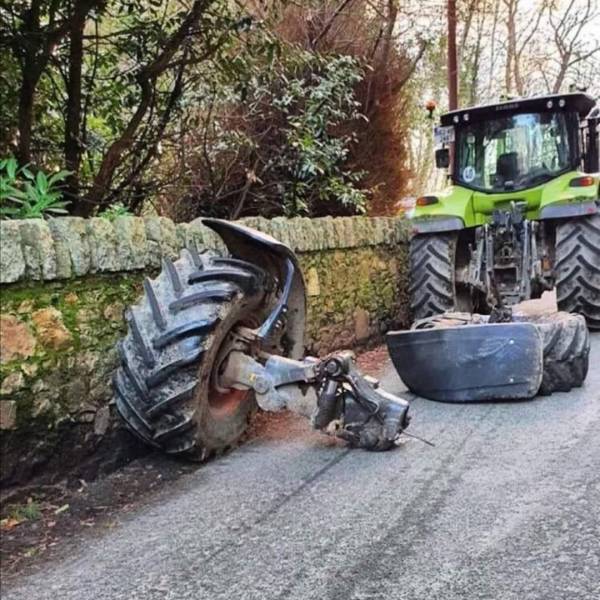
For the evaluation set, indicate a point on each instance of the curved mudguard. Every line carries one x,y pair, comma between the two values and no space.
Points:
473,363
265,251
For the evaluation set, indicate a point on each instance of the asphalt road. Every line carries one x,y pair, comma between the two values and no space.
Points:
505,506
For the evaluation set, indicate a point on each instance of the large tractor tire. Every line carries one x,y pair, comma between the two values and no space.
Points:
565,340
566,351
578,268
166,388
432,274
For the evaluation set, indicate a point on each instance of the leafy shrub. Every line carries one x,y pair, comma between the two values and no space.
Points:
277,142
315,154
251,108
25,195
118,209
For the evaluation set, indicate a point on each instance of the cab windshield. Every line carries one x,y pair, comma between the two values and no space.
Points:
512,152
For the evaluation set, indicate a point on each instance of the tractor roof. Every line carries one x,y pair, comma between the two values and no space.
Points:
577,102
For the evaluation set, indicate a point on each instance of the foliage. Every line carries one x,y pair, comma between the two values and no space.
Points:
204,106
98,84
312,161
214,107
118,209
285,149
379,35
25,195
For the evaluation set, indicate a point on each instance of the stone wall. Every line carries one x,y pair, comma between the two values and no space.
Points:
65,283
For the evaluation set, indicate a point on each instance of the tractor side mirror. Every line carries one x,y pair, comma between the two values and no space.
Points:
442,158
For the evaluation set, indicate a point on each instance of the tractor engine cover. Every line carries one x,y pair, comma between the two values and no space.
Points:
474,363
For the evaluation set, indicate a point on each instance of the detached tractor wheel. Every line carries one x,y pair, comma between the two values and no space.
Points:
565,342
178,333
566,351
578,268
434,260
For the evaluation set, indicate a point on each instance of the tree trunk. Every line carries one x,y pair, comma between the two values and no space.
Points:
29,81
473,92
560,78
471,8
146,80
388,37
493,49
452,58
26,52
32,48
72,143
511,70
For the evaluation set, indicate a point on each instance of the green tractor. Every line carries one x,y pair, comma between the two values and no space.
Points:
521,214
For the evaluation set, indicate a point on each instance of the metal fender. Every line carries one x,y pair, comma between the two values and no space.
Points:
280,261
474,363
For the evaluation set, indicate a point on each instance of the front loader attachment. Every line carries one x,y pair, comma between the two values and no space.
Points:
473,363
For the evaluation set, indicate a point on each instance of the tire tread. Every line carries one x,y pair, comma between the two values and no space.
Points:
578,268
431,286
169,330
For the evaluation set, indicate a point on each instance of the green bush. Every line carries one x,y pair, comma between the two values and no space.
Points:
118,209
25,195
279,139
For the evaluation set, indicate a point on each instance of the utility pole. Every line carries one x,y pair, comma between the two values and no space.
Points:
452,66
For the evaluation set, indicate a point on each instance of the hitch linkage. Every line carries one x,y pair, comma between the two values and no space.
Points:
332,392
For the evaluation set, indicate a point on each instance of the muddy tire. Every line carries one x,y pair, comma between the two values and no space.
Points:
432,288
565,339
578,268
566,351
165,388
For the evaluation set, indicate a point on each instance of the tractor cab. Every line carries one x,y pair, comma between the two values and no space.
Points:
521,144
538,153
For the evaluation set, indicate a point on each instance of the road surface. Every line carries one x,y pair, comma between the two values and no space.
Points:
505,506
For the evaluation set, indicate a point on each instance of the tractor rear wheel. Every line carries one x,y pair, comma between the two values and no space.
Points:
167,388
578,268
433,288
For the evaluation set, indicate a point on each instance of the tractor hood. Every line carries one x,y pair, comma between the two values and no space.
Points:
457,207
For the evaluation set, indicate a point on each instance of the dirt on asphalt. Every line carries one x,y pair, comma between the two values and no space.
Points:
38,523
503,506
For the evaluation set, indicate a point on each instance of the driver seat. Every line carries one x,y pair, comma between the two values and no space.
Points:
507,166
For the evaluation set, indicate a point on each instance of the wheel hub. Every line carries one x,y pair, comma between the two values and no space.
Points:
222,399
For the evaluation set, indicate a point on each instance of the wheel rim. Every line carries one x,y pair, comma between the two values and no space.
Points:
224,402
